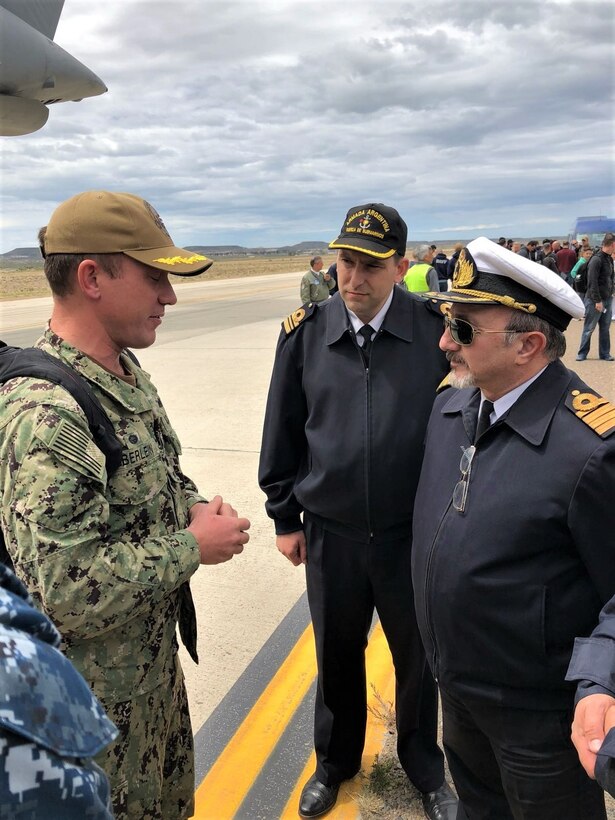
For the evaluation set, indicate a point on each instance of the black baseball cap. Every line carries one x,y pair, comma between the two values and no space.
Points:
375,229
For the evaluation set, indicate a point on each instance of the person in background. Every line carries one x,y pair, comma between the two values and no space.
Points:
109,559
548,257
578,274
316,285
422,277
440,264
339,461
332,272
599,301
566,260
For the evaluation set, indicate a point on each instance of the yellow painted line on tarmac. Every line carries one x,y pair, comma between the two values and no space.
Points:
380,679
230,778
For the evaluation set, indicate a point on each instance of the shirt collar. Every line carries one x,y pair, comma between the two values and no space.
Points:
505,402
376,322
529,418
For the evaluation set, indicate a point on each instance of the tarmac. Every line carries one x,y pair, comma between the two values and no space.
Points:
251,695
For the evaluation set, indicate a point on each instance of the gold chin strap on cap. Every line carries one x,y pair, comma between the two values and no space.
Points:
507,301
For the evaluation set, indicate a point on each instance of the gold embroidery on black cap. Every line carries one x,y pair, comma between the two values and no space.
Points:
596,412
465,270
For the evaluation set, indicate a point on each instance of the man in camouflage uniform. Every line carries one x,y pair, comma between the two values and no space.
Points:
109,558
50,722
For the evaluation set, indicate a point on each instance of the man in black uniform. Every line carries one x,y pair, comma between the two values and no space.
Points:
513,554
352,387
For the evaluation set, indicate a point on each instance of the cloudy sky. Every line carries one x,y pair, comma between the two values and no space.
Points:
261,123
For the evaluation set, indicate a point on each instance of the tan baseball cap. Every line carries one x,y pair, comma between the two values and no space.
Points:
111,222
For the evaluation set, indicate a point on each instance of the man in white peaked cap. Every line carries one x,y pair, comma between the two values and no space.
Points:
509,560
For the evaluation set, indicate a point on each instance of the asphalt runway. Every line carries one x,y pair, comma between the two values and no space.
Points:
211,363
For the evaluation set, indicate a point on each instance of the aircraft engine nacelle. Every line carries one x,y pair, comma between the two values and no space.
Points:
35,72
19,115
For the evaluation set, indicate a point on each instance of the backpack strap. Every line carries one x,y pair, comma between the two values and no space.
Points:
36,363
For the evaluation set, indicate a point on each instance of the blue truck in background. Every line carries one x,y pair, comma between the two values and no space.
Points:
593,227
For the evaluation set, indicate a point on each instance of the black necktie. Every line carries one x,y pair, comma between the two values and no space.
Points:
484,420
366,332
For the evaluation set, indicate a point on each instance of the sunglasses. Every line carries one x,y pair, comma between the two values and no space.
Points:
463,332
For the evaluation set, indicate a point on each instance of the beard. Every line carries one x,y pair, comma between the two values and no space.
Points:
459,380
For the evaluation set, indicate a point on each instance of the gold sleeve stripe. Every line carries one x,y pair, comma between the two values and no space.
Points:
606,424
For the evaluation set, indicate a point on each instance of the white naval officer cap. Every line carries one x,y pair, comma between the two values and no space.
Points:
488,274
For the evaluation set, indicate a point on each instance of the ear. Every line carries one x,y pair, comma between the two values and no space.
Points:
530,346
402,269
88,278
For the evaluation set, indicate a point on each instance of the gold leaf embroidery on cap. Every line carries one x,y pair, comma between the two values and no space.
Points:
465,271
181,260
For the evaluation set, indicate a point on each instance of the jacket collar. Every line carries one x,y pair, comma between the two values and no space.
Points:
398,320
530,416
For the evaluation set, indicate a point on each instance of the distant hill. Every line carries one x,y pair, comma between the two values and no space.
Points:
27,257
23,253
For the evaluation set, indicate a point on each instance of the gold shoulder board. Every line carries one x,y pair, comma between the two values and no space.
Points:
596,412
446,382
293,321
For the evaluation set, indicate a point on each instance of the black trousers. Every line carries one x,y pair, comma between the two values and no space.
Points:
516,763
345,581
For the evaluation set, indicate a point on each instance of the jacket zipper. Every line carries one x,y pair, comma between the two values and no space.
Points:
430,631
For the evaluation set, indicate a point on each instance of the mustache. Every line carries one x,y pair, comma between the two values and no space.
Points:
452,355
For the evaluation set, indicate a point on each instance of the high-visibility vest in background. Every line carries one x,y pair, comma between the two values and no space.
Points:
416,278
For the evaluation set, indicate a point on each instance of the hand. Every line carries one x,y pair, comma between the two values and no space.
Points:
293,546
220,533
590,726
609,719
226,509
599,307
327,278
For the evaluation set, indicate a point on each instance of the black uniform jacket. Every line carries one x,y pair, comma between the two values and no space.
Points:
503,589
343,442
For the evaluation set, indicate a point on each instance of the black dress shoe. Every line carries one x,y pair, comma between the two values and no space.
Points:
441,804
316,798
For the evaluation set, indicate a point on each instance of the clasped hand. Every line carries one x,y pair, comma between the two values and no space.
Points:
219,531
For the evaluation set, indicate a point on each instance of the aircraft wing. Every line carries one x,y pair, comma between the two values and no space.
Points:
42,15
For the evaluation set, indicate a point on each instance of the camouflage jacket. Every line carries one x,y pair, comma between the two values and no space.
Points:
50,722
105,557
